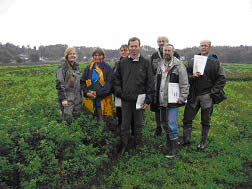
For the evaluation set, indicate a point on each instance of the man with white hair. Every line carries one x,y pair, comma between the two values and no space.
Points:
205,90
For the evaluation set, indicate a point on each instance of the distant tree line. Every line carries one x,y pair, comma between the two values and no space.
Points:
10,53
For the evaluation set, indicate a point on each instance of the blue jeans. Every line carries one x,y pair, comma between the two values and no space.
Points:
169,118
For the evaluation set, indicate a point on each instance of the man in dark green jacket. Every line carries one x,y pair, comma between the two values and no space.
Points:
203,88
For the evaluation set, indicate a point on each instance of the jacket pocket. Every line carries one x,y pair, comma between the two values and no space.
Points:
174,78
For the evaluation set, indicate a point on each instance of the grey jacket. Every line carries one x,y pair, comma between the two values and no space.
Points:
65,91
176,74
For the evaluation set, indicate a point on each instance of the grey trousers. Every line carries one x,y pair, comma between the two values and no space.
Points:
204,102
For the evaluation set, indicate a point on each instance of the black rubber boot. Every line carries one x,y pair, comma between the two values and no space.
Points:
173,150
168,144
158,131
204,133
124,144
187,132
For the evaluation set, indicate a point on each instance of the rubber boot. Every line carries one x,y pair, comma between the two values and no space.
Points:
124,144
168,144
173,151
187,132
204,132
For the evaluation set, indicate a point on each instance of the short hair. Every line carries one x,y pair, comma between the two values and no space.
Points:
169,45
99,51
206,40
134,39
124,46
163,37
68,51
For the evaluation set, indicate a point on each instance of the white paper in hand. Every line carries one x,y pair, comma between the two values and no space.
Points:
140,101
118,102
199,64
173,92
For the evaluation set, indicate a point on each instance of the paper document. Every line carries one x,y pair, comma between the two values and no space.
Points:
140,101
173,92
199,64
118,102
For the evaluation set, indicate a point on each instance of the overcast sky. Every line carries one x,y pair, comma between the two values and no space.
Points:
110,23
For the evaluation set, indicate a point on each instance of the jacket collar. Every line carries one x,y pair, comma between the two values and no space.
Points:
136,59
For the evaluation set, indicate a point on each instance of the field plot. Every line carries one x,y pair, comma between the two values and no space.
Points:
36,151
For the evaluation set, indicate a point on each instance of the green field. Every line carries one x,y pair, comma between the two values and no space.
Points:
38,152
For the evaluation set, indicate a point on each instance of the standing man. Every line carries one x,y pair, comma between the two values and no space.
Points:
203,87
156,58
133,77
170,71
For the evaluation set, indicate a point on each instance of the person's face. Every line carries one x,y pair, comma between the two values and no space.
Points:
168,53
98,58
204,48
72,56
124,52
161,43
134,48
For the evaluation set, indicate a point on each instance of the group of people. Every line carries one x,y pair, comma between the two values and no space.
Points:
133,77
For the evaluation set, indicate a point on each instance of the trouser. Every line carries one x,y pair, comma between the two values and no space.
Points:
119,116
130,113
169,118
204,102
98,113
158,119
71,110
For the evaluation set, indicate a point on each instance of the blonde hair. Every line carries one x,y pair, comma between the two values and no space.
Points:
68,51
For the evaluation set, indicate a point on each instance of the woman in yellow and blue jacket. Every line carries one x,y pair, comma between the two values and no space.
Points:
96,86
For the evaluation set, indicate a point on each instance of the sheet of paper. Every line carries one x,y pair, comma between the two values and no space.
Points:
173,92
118,102
199,64
140,101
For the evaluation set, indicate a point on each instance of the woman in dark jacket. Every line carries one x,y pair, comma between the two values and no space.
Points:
96,86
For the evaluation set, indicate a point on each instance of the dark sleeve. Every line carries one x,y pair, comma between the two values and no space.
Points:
115,66
150,84
60,83
117,81
83,79
176,54
220,80
106,89
189,69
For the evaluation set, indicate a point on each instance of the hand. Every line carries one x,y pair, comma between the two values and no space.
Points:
179,101
91,94
65,103
196,74
145,106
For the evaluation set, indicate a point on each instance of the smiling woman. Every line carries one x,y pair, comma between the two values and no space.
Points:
96,86
68,86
